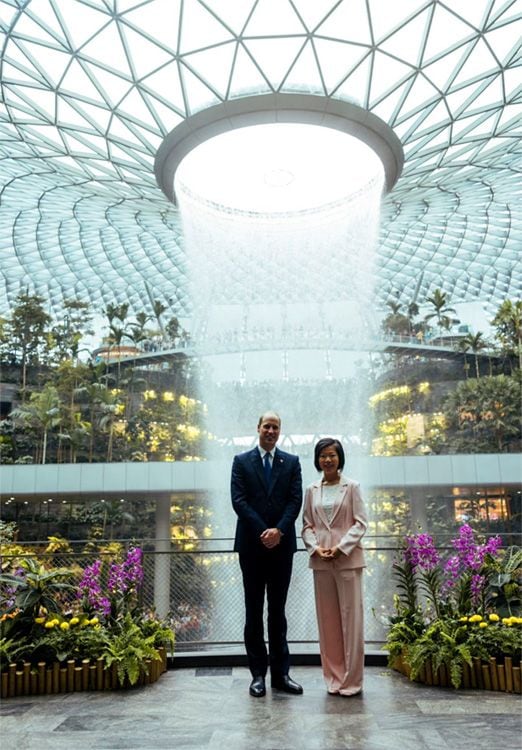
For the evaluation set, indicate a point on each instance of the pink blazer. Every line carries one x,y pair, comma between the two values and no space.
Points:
348,526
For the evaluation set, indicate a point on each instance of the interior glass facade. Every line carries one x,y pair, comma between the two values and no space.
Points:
91,88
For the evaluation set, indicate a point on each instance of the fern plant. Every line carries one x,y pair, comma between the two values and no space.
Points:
444,642
13,649
128,650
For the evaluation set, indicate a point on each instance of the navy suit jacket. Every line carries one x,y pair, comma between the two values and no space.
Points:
260,507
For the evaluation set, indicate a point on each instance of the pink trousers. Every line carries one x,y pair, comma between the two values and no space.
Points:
339,607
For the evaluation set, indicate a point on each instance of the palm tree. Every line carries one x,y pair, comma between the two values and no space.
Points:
476,343
67,334
97,396
158,308
508,324
395,322
442,311
137,330
464,347
41,413
117,332
109,408
413,311
77,433
27,331
113,514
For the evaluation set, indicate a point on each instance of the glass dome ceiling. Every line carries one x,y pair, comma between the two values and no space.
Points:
90,89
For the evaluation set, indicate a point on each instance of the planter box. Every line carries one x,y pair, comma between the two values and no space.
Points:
72,676
490,675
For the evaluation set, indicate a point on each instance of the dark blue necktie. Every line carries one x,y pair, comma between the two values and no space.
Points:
267,467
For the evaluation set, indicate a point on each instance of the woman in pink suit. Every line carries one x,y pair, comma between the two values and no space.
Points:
334,522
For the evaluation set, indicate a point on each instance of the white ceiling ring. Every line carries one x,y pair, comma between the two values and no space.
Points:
278,108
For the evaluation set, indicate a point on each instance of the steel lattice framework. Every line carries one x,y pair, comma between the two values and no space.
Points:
90,89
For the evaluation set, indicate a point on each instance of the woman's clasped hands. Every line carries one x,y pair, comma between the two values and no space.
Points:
328,553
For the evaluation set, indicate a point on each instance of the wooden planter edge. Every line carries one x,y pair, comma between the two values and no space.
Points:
482,675
72,676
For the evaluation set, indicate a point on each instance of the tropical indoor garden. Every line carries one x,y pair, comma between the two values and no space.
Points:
458,616
67,404
67,630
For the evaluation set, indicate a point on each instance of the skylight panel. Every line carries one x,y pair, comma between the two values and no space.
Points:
246,77
261,21
355,86
108,51
504,41
82,143
387,17
455,101
275,57
145,56
305,74
510,118
474,127
16,55
28,28
348,21
110,86
200,29
158,20
135,109
213,66
443,71
50,63
446,31
47,133
387,73
336,59
164,88
479,63
198,94
421,93
90,117
407,42
81,20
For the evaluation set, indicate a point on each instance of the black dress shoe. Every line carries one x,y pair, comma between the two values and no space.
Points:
257,687
287,685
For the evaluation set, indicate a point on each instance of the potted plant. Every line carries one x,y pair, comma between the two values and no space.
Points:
457,620
103,639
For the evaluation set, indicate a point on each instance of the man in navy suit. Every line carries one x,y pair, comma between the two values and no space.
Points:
266,490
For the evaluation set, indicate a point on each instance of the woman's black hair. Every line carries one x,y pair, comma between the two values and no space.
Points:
326,443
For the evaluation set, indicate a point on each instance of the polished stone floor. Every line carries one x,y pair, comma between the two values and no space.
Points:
211,708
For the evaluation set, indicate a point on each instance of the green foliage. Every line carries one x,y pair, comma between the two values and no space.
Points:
443,642
8,531
11,649
74,638
508,328
404,630
485,414
35,587
38,624
495,639
435,625
84,411
161,633
129,649
407,585
504,591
